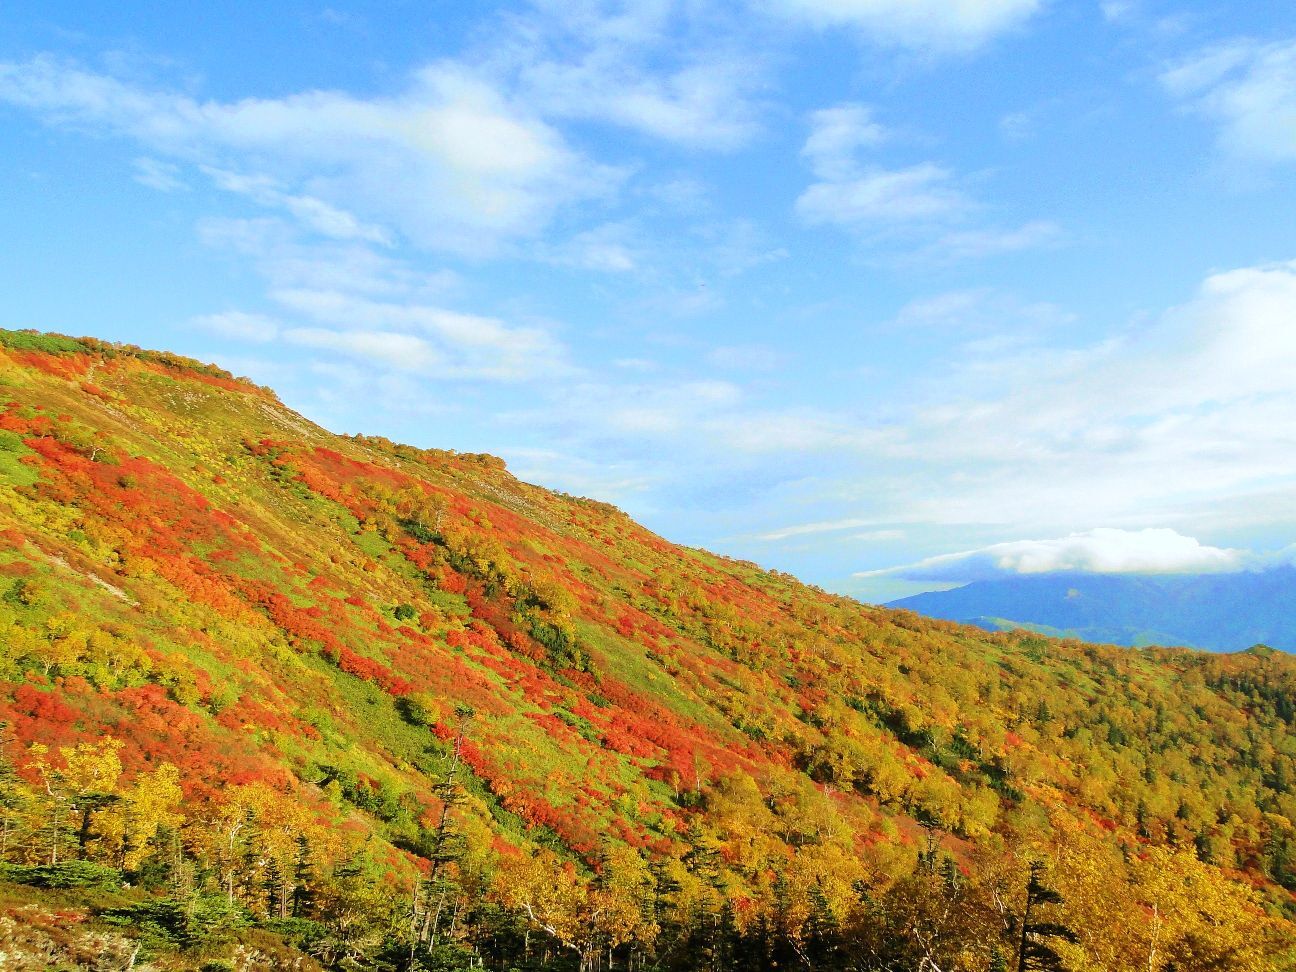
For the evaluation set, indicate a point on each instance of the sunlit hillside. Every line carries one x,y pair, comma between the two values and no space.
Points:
278,696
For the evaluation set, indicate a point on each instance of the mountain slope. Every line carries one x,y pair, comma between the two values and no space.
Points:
382,702
1218,612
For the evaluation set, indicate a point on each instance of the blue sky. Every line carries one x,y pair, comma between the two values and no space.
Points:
838,286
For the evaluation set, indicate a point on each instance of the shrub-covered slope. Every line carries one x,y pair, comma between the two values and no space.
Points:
392,707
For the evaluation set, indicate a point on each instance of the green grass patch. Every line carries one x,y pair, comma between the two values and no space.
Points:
12,470
47,343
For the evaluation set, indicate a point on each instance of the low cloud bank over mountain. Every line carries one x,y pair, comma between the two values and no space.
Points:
1101,551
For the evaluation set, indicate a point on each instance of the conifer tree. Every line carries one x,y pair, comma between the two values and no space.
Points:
1033,950
14,797
433,896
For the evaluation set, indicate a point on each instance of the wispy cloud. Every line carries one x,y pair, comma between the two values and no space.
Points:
404,352
673,72
373,308
159,175
289,258
609,248
933,26
1248,89
1198,404
825,526
610,481
980,311
449,162
313,214
749,358
853,191
439,341
837,136
876,196
977,244
238,325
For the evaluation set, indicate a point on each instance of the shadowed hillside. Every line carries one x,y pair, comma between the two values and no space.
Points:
273,693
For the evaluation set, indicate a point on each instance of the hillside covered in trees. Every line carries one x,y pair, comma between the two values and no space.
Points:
275,698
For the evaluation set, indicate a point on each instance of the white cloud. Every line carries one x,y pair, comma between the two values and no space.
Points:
791,431
854,193
1249,90
1160,421
1016,126
466,345
1118,11
666,409
921,193
609,481
450,162
748,357
707,421
977,244
1101,551
938,26
879,536
826,526
400,351
669,71
238,325
703,105
637,364
159,175
287,260
610,248
374,307
314,214
836,137
982,313
650,254
737,246
342,286
683,193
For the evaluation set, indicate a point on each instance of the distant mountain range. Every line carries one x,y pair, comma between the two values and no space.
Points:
1218,612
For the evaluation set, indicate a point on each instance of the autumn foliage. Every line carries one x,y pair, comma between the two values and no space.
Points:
394,706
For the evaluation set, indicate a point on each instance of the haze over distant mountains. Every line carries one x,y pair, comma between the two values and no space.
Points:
1218,612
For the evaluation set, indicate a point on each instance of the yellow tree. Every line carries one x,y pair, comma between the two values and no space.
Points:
218,840
1101,908
620,900
1198,919
150,804
824,877
555,900
79,783
1162,910
279,838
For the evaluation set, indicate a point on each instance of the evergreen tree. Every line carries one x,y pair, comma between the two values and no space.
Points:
433,900
14,797
822,933
1033,949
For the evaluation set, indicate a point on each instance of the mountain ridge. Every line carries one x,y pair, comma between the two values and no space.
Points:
1216,612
